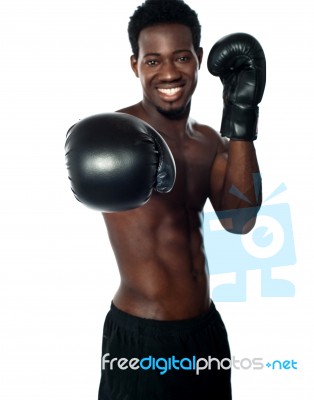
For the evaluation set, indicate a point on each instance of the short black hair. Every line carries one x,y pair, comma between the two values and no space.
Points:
153,12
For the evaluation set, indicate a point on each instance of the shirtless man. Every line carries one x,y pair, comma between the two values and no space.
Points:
162,312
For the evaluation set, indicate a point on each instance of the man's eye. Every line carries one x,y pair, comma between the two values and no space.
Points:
152,62
183,59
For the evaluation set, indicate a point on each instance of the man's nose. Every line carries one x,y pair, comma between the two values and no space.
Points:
169,72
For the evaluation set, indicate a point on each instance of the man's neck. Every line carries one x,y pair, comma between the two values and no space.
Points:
174,126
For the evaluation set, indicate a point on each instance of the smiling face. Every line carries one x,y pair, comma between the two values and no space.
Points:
167,66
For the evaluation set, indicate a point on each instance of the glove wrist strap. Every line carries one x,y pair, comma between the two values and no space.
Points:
239,123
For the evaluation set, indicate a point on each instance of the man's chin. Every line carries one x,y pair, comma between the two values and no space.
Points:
174,113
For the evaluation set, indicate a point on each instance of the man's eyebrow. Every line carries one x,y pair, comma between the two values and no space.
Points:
182,51
152,54
175,52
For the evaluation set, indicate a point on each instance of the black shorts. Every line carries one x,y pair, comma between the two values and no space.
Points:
145,359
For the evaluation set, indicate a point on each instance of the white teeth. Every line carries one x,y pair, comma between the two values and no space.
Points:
170,91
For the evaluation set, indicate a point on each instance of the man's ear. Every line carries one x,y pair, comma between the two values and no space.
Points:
199,54
134,67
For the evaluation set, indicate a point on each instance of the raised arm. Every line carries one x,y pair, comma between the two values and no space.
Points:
236,191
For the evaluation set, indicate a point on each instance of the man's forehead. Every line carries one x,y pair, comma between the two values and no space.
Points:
156,37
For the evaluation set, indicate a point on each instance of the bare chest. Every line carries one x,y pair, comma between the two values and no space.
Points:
193,159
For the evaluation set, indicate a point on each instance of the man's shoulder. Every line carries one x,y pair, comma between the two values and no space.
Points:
204,130
132,110
209,135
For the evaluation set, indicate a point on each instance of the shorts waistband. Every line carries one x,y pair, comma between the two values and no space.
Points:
147,326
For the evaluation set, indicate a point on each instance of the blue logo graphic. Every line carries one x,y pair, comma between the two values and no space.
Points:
282,365
270,244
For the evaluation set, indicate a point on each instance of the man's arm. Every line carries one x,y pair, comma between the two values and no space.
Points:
235,186
238,59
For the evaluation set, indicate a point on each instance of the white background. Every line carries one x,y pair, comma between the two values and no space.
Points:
64,60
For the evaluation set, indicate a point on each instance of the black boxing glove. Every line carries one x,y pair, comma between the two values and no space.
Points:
115,161
239,60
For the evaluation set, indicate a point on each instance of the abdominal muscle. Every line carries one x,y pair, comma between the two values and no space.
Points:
161,262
